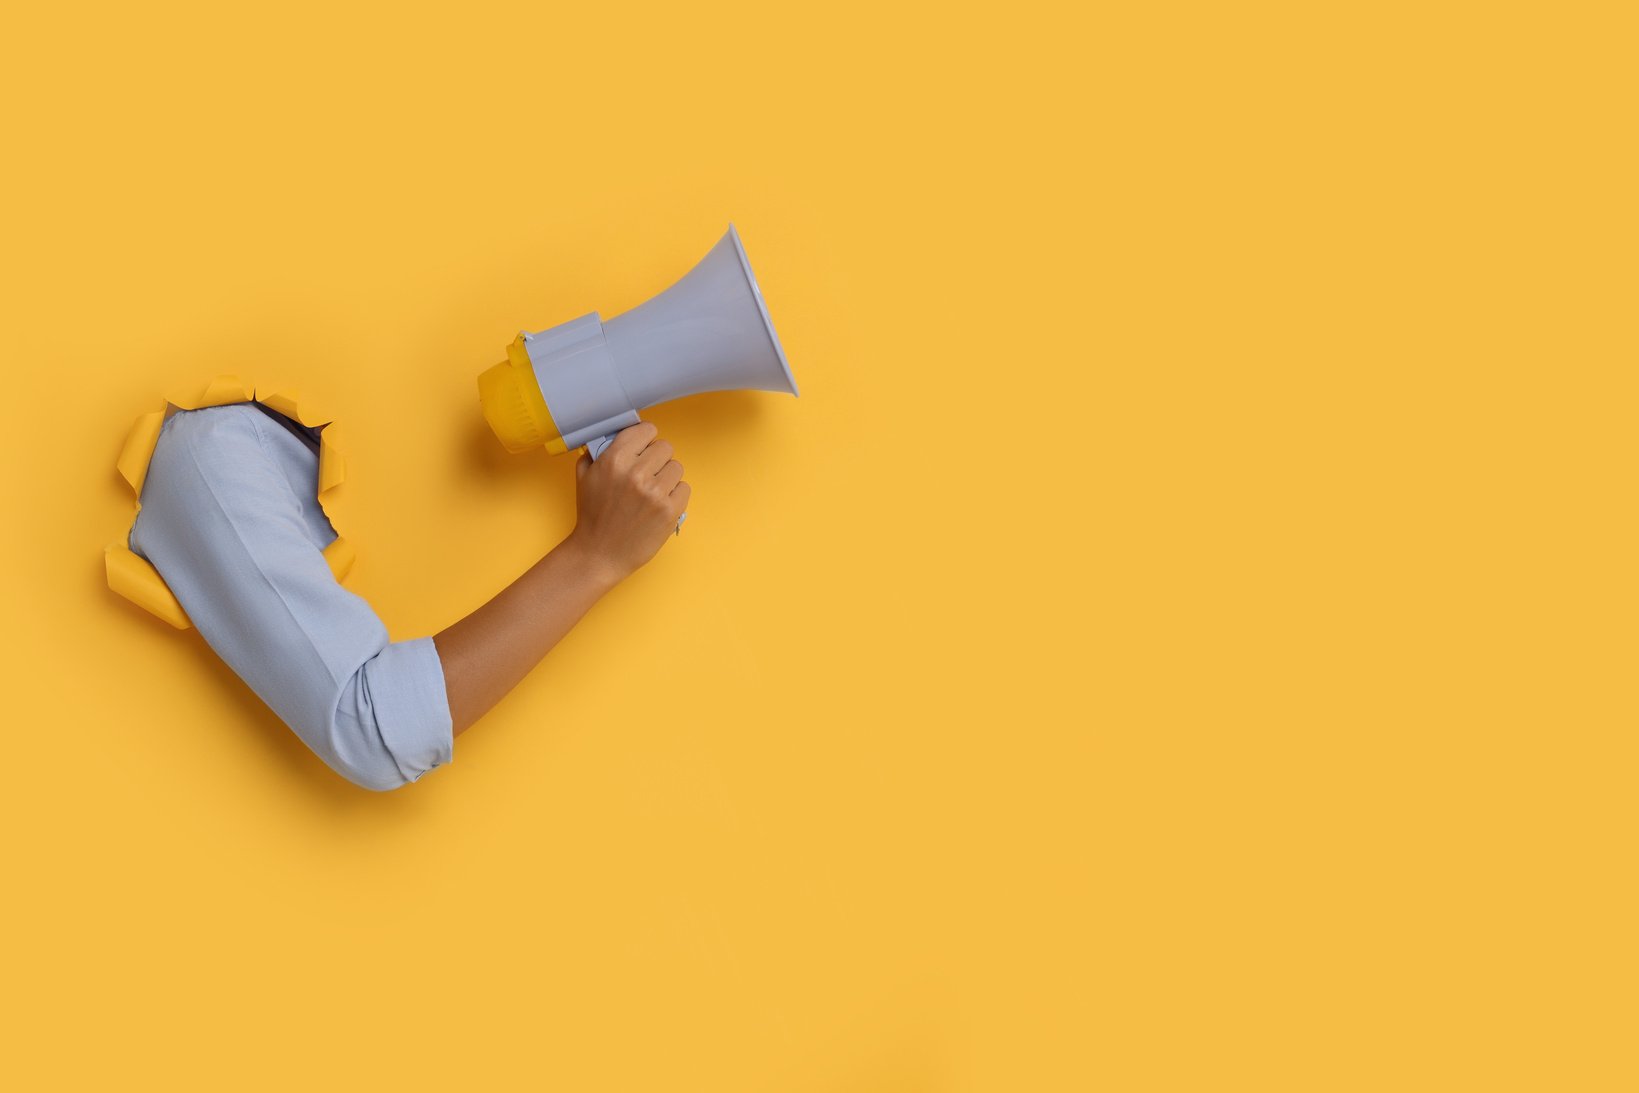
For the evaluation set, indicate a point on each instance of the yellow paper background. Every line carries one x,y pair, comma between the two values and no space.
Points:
1181,639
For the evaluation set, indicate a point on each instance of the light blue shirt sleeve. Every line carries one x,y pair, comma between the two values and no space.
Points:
231,520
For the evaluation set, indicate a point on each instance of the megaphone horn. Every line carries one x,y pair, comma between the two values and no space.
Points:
581,382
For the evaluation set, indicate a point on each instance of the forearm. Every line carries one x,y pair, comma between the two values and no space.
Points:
487,653
626,507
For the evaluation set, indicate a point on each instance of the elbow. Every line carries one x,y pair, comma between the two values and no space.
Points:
379,774
354,747
385,727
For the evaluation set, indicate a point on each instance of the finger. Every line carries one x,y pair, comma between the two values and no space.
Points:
654,457
680,496
583,464
632,439
670,475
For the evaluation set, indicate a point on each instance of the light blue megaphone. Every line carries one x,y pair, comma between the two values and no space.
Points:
581,382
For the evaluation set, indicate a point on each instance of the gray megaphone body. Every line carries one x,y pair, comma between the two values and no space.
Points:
581,382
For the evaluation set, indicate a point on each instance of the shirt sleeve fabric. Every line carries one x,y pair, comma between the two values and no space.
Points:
242,551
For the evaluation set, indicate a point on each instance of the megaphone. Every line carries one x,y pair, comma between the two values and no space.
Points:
581,382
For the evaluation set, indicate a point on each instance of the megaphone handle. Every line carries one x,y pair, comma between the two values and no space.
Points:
596,446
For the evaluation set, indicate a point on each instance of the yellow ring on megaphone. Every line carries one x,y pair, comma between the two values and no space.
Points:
513,405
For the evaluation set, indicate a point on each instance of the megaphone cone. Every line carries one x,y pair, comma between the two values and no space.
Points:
583,381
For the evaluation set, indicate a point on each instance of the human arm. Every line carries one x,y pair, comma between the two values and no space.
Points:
229,520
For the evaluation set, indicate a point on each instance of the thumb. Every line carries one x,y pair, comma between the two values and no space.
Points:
582,465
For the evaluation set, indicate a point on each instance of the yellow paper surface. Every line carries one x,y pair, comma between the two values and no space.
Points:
1182,639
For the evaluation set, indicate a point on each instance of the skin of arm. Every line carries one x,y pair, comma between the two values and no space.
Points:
626,508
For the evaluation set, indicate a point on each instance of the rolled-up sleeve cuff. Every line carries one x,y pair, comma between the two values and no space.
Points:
411,706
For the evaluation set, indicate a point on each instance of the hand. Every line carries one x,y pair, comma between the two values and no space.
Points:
627,502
